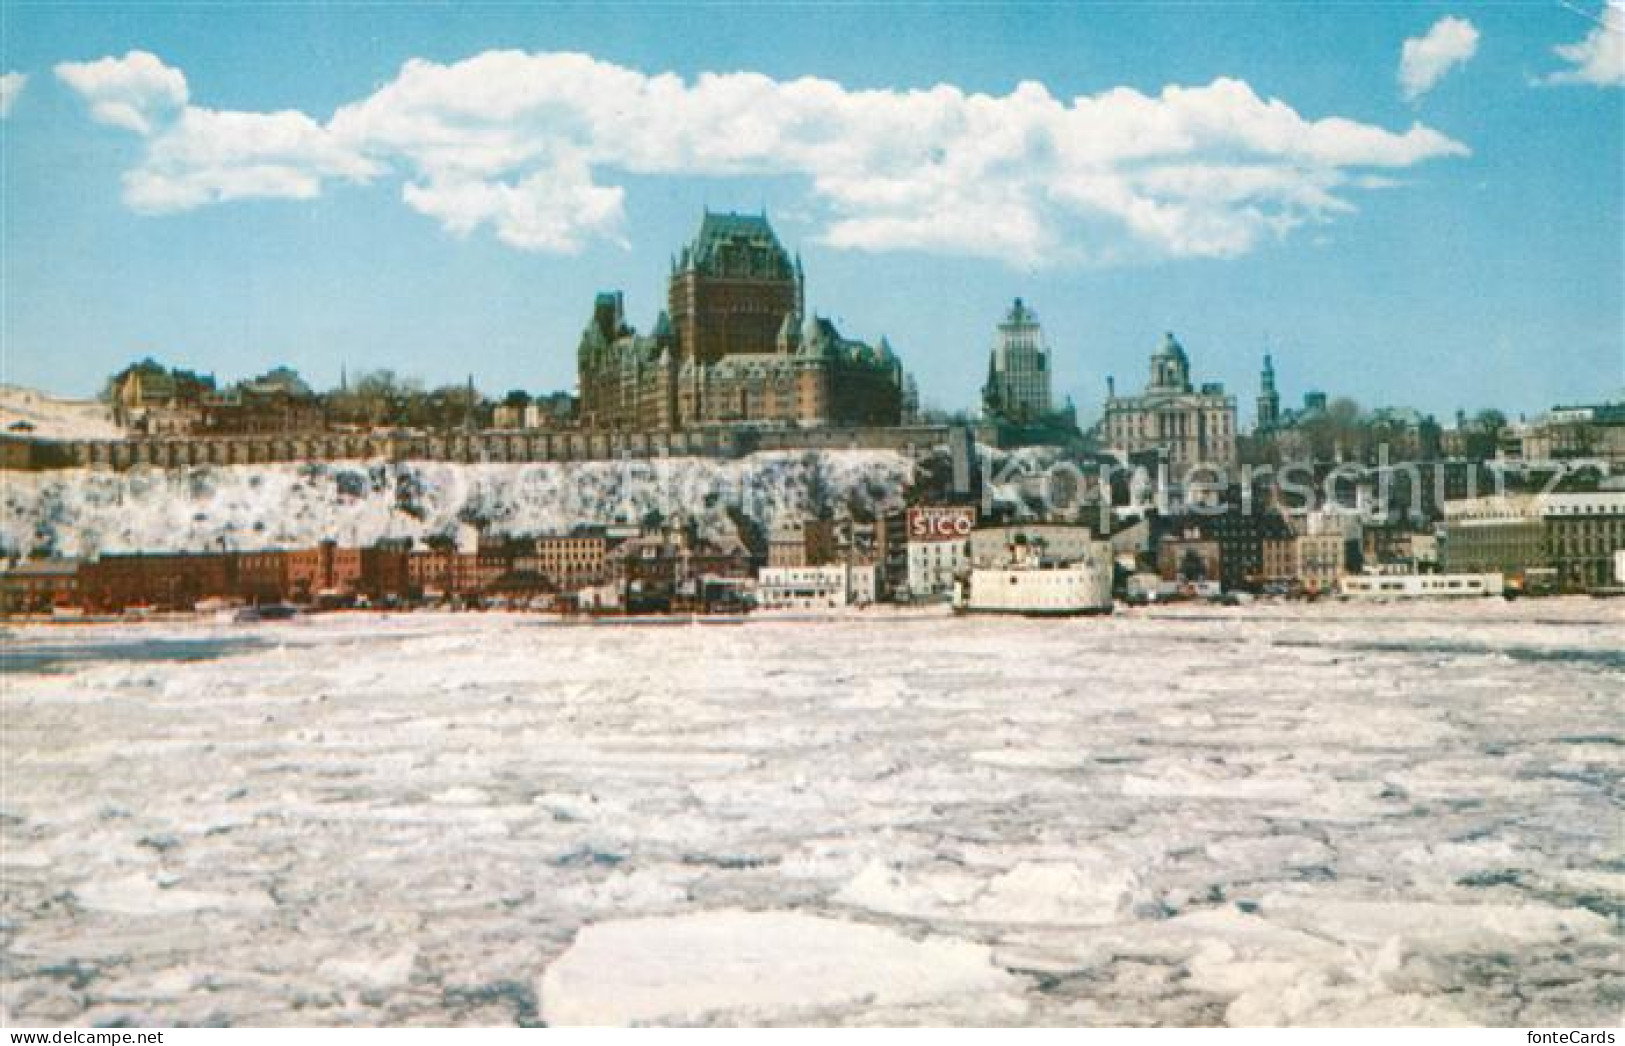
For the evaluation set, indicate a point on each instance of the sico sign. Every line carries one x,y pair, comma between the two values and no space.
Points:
940,523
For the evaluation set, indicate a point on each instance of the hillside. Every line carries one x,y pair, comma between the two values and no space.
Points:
207,508
53,418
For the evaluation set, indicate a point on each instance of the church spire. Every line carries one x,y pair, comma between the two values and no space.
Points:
1269,399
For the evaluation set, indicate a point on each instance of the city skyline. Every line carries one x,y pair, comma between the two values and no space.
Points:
386,192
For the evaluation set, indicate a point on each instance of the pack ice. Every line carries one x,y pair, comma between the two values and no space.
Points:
1328,814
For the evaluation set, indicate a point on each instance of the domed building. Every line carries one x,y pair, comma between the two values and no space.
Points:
1189,426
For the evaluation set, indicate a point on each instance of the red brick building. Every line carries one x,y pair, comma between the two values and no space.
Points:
386,569
174,581
326,569
447,572
570,561
262,576
37,586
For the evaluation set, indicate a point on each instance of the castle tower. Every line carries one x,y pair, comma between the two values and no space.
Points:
736,345
732,288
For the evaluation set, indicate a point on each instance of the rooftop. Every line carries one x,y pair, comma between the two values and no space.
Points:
737,242
42,568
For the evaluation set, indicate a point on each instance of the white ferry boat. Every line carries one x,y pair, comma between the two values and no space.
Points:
1028,587
1420,586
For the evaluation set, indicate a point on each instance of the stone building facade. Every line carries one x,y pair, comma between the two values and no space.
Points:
809,543
1322,560
149,400
152,400
735,346
1190,426
571,561
1499,534
278,401
1596,431
1238,548
1573,534
1584,532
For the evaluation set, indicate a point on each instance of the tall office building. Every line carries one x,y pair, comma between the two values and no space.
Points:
1018,368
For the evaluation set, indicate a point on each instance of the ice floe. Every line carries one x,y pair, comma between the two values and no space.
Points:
736,965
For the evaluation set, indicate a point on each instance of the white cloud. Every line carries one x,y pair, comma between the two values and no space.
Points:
1599,58
527,147
137,92
11,86
1424,60
206,156
547,211
197,156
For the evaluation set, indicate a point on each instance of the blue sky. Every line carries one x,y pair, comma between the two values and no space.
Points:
1457,248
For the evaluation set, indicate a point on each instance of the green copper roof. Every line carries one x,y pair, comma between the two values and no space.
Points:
742,243
1171,347
729,224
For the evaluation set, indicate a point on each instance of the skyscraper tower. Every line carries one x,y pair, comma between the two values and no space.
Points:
1018,373
1269,400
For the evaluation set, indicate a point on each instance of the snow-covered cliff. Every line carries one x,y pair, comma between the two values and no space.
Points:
206,508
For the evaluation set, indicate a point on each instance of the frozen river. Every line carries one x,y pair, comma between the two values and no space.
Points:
1268,815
